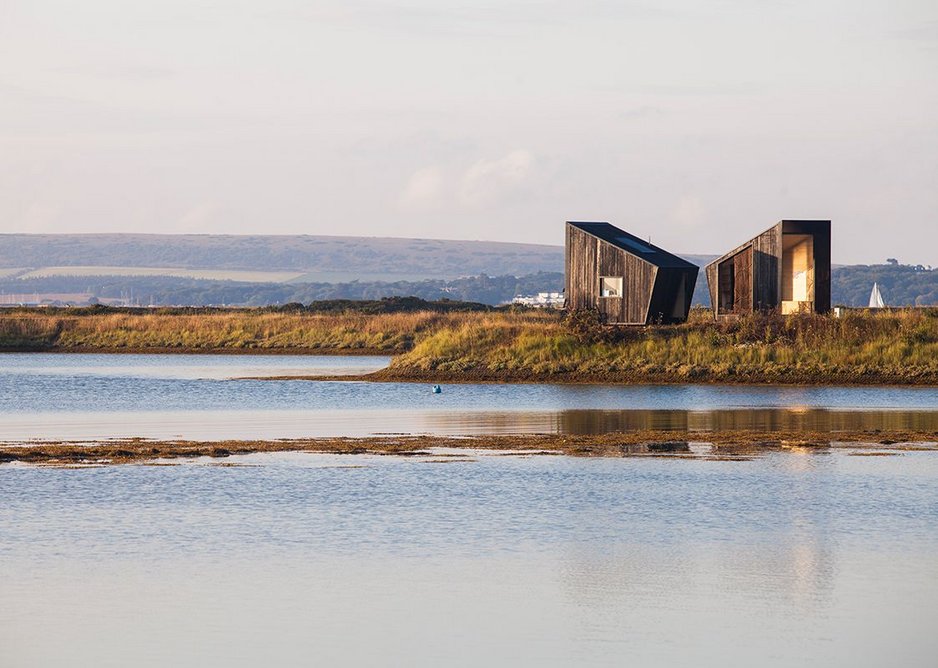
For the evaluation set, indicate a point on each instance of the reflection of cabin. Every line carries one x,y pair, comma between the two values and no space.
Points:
627,279
787,267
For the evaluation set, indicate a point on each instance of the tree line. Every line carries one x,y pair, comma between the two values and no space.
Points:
901,285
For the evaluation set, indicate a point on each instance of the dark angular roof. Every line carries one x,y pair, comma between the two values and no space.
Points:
633,245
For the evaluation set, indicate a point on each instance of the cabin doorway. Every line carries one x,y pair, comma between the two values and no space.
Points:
798,270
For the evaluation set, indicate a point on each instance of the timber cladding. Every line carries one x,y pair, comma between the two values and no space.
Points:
764,273
649,284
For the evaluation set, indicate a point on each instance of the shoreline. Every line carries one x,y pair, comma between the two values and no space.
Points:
695,376
488,378
732,444
168,350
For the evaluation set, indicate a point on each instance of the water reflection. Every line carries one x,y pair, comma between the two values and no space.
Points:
767,419
152,396
274,424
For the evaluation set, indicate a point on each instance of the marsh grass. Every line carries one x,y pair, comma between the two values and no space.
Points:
212,331
897,346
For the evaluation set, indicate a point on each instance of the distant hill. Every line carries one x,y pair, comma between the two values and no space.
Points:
271,258
268,258
900,284
258,270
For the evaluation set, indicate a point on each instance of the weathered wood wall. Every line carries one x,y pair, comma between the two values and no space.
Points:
581,288
734,283
743,287
588,258
712,283
767,269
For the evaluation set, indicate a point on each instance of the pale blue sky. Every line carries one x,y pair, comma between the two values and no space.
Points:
695,123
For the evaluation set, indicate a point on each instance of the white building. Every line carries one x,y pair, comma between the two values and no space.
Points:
540,300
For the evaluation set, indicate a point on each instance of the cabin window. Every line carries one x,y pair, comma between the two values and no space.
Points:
610,286
797,273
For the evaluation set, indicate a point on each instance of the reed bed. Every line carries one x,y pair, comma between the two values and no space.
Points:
897,346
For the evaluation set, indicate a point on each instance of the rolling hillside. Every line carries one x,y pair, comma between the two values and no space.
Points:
260,270
301,259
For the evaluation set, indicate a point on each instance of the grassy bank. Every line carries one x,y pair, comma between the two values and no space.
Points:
899,347
892,347
217,331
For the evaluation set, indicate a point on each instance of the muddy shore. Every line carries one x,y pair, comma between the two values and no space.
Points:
170,350
720,444
475,376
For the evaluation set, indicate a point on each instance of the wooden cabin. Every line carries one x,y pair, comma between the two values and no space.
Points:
786,268
628,280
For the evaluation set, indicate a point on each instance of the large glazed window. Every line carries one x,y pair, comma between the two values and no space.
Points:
797,273
610,286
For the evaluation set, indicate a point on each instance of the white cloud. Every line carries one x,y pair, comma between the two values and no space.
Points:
484,183
424,190
489,182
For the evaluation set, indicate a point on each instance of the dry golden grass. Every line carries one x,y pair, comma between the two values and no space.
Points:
234,331
898,346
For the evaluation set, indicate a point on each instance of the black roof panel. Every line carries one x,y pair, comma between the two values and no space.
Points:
633,245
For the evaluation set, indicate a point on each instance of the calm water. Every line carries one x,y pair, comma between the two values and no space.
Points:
301,559
199,396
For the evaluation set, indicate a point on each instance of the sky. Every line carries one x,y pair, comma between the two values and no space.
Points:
694,124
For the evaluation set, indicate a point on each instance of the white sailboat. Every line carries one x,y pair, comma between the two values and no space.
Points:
876,298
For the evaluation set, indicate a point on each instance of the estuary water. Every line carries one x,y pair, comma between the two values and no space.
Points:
318,560
58,396
825,558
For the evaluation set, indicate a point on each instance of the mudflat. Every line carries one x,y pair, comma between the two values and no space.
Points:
672,443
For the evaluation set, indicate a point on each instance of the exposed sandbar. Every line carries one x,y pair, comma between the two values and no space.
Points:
729,444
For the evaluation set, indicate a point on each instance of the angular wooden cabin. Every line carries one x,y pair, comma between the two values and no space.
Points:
627,279
787,267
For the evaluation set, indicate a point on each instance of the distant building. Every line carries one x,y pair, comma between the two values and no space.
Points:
787,267
630,281
46,299
540,300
